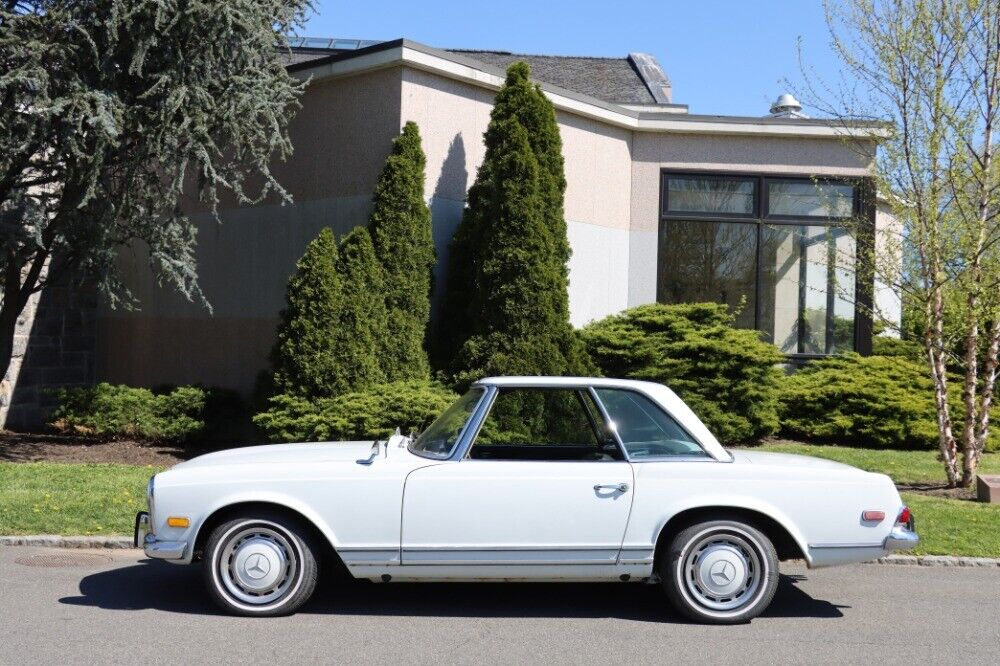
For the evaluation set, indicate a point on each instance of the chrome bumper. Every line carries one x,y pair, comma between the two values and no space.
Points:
153,547
901,538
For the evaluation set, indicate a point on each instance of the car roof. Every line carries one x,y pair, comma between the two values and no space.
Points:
564,381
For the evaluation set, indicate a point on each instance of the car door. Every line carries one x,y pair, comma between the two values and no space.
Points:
544,482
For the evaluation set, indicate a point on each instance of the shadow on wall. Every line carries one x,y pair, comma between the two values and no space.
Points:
446,213
54,346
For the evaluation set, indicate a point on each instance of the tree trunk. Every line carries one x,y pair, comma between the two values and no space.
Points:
934,342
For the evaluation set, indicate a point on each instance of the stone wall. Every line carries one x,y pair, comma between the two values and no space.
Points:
54,346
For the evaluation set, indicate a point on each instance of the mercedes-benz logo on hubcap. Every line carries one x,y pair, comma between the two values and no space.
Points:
722,572
257,566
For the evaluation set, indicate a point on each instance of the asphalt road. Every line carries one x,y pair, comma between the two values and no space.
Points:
116,607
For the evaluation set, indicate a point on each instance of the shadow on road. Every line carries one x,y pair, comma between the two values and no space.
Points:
179,589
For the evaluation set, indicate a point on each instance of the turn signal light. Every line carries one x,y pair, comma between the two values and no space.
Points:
177,521
874,516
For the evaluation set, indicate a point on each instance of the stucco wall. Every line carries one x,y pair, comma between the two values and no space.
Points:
652,152
341,137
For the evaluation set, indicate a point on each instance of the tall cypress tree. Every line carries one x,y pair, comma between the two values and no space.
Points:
506,309
304,356
360,322
401,233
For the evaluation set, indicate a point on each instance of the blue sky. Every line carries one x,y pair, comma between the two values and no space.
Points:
722,57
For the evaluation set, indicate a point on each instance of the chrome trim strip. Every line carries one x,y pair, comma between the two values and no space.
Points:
502,549
475,422
844,545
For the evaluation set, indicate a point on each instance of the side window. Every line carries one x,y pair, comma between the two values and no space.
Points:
544,424
645,429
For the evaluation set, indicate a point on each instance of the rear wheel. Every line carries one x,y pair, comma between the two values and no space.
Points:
260,564
720,572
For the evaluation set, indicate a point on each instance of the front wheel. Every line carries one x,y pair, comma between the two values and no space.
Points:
720,572
260,564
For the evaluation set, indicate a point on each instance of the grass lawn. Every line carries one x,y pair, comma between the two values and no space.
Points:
71,499
902,466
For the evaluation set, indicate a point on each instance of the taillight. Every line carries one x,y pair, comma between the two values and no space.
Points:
905,517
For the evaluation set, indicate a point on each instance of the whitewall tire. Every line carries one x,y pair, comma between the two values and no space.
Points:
260,564
720,572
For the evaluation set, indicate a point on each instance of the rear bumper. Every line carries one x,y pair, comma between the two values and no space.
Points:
902,537
153,547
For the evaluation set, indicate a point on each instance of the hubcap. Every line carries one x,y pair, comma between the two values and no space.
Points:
257,565
722,571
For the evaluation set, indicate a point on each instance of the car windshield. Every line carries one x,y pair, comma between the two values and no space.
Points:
440,438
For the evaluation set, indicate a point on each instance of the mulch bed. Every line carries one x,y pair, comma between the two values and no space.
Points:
30,447
938,490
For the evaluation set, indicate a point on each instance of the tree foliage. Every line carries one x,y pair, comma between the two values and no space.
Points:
401,233
366,414
506,310
932,68
728,376
109,110
875,401
307,357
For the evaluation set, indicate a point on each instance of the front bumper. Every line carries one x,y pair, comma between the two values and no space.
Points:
902,537
153,547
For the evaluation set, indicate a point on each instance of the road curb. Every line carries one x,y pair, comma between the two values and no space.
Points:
938,561
56,541
122,542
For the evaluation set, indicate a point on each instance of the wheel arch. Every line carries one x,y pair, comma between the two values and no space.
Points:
787,543
236,508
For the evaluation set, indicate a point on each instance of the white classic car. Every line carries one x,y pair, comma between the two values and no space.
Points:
523,478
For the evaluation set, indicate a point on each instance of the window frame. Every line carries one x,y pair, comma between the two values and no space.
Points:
492,393
705,457
863,210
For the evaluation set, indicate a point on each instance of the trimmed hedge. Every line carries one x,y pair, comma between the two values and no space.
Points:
873,401
118,411
357,415
728,376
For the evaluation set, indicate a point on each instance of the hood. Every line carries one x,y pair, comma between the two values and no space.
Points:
283,453
791,460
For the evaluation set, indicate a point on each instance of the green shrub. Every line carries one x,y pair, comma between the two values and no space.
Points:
377,412
117,411
882,346
874,401
728,376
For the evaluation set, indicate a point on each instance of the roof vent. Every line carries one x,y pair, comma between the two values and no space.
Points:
786,106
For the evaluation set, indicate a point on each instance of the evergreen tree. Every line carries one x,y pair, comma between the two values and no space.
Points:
304,356
518,324
360,322
401,233
506,308
524,104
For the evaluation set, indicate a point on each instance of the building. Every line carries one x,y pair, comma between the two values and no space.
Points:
661,204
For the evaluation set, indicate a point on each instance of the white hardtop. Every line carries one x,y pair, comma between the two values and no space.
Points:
658,392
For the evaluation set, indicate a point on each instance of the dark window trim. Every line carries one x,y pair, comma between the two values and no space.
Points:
864,208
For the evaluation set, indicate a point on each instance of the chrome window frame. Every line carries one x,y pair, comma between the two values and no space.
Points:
463,432
495,390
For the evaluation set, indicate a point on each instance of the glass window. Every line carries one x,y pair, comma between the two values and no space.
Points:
807,288
440,438
544,424
709,261
645,429
707,194
806,198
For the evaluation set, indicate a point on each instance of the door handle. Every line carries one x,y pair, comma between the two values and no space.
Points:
619,487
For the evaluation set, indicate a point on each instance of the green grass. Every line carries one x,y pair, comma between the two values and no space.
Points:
902,466
955,527
72,499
